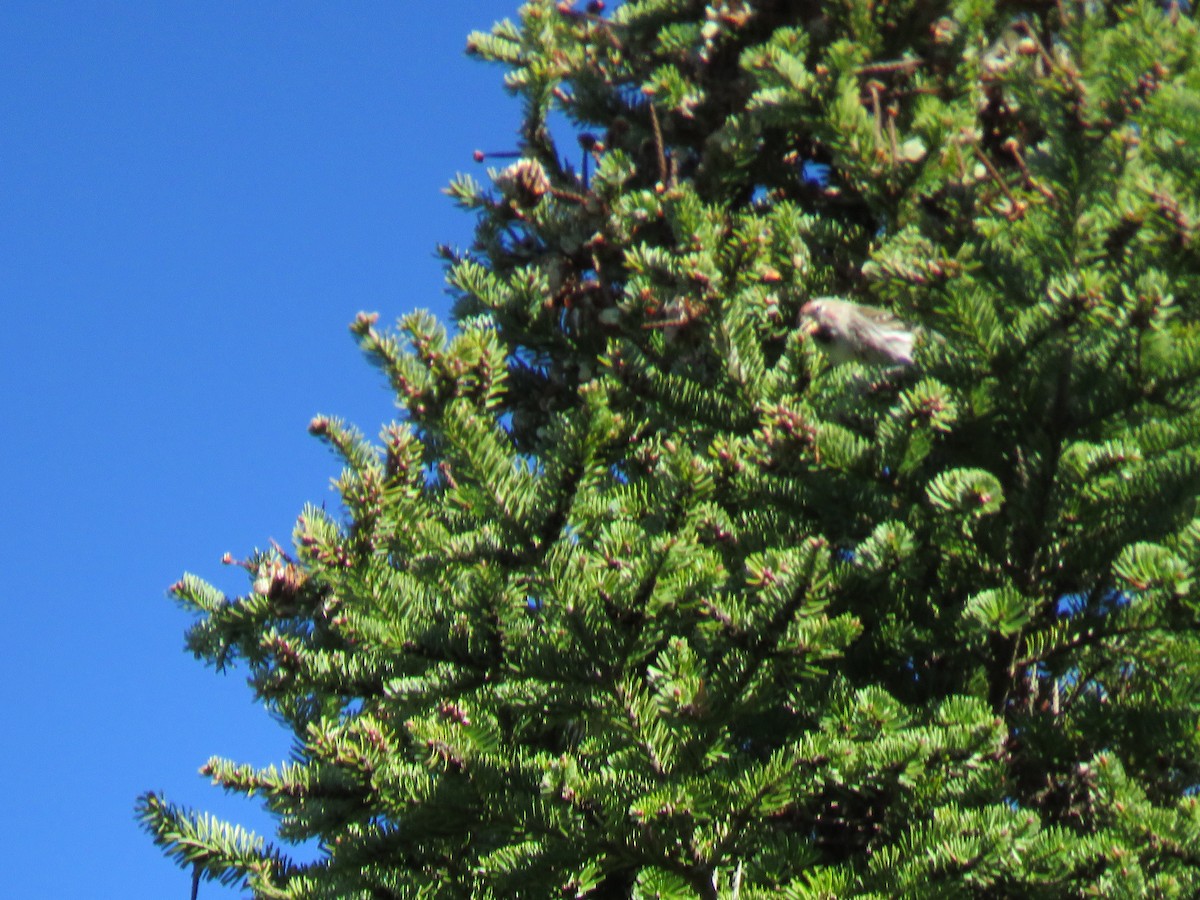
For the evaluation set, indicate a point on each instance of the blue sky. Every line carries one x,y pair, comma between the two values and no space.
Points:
195,200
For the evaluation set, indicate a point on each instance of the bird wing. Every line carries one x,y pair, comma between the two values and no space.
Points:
883,338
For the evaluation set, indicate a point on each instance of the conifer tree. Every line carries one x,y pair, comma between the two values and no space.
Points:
644,595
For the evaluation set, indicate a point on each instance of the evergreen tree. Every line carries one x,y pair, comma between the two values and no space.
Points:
645,596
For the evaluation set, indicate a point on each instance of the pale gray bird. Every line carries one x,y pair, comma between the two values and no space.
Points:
850,331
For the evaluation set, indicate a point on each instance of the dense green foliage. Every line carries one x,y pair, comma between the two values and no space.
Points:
643,597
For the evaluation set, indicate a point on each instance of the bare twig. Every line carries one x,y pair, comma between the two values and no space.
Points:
1018,206
659,147
882,68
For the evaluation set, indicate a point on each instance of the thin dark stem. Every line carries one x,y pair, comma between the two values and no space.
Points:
659,147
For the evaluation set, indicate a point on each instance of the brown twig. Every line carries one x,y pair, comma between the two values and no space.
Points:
659,147
569,196
1051,63
1018,206
874,87
892,112
1011,146
899,65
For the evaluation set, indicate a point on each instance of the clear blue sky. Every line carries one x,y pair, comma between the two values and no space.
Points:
195,200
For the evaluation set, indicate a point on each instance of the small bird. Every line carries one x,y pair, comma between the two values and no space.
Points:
850,331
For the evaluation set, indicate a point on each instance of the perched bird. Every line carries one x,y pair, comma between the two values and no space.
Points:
849,331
